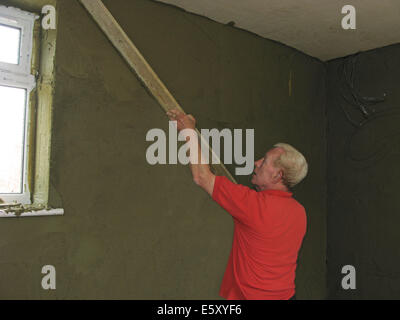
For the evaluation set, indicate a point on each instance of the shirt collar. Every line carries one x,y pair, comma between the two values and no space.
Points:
278,193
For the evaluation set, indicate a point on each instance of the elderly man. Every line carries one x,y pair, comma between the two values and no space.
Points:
269,223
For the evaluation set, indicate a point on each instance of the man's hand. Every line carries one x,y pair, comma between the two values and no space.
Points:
184,121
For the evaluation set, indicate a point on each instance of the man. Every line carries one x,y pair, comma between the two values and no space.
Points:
269,223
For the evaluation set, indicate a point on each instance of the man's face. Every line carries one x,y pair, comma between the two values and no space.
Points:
266,175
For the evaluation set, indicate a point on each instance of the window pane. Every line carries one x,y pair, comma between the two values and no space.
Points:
12,129
9,44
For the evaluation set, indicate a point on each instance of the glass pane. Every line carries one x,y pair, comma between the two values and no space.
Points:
9,44
12,129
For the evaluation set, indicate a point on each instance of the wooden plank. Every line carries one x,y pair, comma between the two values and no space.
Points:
139,65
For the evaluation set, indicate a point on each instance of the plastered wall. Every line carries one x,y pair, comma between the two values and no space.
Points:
135,231
363,178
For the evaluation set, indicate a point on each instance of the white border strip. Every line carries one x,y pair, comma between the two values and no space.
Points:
40,213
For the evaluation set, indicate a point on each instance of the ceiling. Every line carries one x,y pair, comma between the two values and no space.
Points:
311,26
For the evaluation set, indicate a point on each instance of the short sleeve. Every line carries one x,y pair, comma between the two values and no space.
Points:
238,200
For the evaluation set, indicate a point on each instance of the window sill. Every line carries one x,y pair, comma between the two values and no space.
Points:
31,211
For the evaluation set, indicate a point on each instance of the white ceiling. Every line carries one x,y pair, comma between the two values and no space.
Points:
311,26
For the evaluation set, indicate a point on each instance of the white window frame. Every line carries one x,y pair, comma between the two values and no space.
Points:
39,63
20,73
19,76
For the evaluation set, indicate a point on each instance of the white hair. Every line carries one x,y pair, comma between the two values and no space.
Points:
293,164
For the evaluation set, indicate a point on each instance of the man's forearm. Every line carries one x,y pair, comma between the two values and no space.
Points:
200,168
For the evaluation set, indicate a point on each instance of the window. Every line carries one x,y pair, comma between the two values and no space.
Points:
11,38
16,83
27,55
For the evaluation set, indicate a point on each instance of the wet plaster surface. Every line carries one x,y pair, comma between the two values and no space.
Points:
136,231
363,178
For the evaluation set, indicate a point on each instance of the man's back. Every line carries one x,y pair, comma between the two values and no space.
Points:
269,229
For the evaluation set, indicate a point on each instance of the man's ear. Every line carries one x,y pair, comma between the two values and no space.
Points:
278,176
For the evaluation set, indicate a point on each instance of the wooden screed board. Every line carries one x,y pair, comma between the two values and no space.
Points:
139,65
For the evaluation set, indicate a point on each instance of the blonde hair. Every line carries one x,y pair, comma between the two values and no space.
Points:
293,164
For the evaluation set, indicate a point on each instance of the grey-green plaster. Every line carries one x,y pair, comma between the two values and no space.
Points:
363,207
136,231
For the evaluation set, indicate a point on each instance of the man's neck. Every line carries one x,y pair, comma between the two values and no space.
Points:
277,187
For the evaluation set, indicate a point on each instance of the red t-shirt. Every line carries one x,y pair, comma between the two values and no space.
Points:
269,227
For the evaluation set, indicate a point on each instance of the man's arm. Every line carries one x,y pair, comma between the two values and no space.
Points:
201,171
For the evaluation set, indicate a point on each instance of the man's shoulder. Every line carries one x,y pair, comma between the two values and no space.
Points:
296,203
